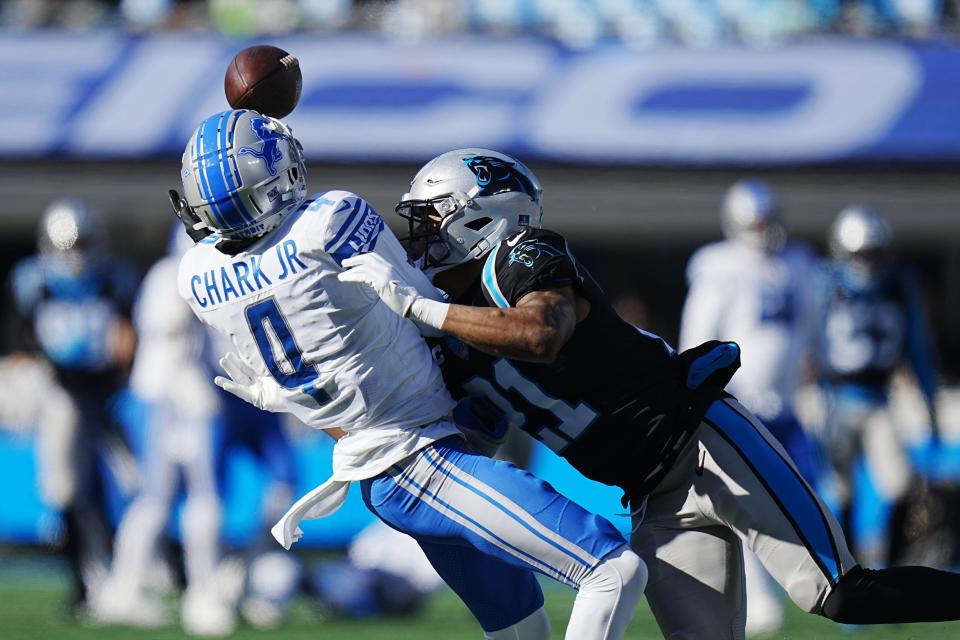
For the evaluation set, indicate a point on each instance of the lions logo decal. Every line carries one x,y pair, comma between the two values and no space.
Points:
269,151
497,176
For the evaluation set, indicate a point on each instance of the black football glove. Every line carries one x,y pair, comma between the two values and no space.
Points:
194,226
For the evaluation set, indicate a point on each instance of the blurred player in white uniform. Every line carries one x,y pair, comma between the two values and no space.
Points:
192,428
171,377
331,354
270,576
756,289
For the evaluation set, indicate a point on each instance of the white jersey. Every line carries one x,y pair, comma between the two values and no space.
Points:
167,368
765,303
343,357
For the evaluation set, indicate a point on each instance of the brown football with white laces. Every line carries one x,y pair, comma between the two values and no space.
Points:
264,78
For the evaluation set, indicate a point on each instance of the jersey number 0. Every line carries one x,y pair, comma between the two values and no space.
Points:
280,351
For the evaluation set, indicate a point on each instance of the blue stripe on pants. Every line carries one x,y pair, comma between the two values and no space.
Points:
449,496
783,481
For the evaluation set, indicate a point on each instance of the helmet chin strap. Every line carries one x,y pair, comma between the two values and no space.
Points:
485,245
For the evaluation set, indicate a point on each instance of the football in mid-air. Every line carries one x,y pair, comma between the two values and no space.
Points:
263,78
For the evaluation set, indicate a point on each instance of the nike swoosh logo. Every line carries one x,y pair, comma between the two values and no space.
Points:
513,241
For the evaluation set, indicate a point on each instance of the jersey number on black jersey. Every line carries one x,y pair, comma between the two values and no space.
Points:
526,406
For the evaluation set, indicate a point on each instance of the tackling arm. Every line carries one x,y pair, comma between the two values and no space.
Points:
535,330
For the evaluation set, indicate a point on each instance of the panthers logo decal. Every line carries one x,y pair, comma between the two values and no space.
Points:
498,176
529,251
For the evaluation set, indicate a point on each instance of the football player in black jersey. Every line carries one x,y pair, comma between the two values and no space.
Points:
530,334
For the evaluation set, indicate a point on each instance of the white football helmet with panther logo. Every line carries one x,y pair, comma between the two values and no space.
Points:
463,203
242,172
861,240
859,230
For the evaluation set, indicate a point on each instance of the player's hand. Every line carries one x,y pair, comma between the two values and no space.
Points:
381,276
263,392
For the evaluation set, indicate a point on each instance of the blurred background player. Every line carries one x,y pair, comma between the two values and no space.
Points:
180,405
873,321
192,430
755,288
73,298
269,576
385,572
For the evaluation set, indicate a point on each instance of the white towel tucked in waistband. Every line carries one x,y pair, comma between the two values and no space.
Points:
319,503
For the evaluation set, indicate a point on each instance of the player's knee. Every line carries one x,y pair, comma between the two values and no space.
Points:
200,514
622,576
536,626
147,511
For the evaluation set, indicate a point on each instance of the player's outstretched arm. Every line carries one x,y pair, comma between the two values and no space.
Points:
534,330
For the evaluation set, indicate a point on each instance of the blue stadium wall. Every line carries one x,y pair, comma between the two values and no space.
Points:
368,99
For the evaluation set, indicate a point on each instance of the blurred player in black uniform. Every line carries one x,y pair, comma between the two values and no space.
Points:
73,300
532,334
873,322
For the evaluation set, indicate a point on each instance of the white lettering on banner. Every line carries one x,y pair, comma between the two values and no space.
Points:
855,94
366,98
478,84
136,111
39,79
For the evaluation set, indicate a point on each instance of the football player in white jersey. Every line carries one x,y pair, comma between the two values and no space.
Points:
531,330
756,289
331,354
181,406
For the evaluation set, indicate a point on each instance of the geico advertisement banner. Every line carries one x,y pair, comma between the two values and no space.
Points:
369,99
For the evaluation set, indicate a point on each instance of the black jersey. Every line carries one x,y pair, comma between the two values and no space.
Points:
614,403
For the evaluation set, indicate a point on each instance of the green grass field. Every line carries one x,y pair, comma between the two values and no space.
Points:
31,611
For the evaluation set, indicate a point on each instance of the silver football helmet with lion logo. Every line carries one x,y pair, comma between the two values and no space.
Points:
751,215
463,203
242,172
